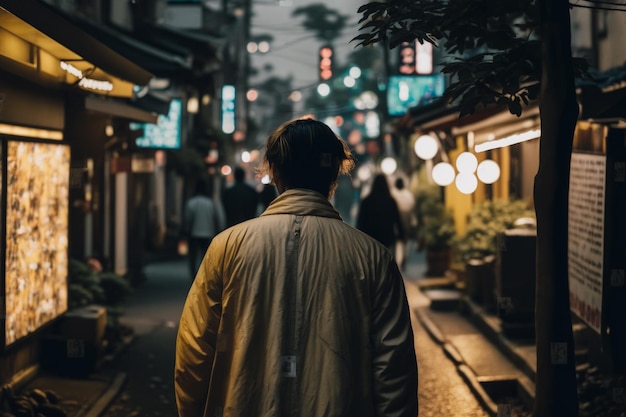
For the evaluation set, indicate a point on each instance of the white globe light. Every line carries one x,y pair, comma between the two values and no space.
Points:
488,171
426,147
466,182
443,174
388,165
466,162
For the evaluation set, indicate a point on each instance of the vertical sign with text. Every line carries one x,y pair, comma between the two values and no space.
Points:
586,230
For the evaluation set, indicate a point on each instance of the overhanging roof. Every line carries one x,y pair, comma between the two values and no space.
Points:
441,116
155,59
604,99
42,25
202,48
119,109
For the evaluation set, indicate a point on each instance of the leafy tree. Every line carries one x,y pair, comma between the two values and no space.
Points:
327,24
505,54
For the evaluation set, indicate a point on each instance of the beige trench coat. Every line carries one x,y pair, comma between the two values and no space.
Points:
296,313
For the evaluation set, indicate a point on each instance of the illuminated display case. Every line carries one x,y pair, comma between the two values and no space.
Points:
35,185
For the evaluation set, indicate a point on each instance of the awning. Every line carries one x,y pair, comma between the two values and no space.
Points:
119,109
202,47
40,38
602,105
157,60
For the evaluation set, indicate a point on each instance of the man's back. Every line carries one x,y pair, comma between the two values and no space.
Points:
201,217
296,313
240,202
306,324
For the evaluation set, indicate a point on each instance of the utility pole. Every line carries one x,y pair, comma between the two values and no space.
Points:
244,72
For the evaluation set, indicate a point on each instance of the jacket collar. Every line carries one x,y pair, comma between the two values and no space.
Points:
302,202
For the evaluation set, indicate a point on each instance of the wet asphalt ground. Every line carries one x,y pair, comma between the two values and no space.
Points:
153,311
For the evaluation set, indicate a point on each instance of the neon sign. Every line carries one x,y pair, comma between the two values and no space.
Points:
86,82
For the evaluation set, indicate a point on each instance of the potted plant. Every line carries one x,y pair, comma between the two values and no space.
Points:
476,249
435,232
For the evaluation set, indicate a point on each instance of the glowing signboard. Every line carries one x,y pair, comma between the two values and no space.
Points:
407,91
228,109
166,133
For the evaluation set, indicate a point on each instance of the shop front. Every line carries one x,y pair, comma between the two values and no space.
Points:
44,61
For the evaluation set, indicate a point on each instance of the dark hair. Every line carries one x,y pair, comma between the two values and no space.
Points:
240,174
306,153
203,187
380,187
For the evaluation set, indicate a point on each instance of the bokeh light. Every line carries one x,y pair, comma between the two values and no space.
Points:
388,165
443,174
488,171
426,147
466,162
466,182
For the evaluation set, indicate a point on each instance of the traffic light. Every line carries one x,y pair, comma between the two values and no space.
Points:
326,63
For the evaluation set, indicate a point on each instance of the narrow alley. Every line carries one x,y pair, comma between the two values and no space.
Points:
147,363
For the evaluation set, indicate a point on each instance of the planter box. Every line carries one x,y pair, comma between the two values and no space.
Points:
76,345
515,281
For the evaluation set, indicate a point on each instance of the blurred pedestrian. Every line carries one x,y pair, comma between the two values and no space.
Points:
240,200
406,206
344,198
296,312
202,220
267,195
379,216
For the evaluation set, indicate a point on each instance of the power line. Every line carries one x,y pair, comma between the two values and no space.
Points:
613,9
610,3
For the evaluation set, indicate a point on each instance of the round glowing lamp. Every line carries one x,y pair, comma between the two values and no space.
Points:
426,147
466,182
488,171
443,174
466,162
388,165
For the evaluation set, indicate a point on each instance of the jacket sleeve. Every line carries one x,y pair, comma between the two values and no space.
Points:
394,363
195,342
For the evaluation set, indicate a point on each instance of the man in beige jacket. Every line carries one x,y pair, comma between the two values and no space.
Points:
296,313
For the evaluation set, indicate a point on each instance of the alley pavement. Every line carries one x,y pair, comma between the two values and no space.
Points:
484,374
